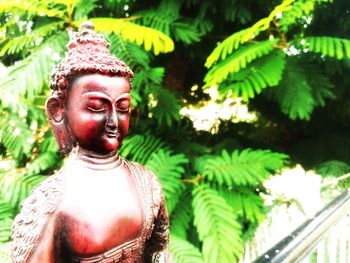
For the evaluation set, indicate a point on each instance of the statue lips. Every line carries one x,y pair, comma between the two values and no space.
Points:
112,134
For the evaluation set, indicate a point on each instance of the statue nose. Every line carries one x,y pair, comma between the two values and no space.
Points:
112,121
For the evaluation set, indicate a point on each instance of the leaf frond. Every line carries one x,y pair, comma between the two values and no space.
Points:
338,48
217,226
167,106
183,251
31,39
40,8
248,167
16,135
252,80
238,60
294,95
246,203
181,216
18,186
169,169
150,38
5,230
139,148
234,41
29,76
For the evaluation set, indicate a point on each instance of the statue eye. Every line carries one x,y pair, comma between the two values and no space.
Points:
96,105
123,105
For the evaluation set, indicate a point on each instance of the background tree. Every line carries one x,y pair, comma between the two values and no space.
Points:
289,60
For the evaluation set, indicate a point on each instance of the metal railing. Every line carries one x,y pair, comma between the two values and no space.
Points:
323,238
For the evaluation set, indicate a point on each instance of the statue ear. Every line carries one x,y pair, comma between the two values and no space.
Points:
54,109
55,113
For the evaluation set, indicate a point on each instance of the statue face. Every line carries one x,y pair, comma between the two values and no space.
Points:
98,112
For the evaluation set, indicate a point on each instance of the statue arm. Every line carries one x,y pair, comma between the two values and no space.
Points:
157,245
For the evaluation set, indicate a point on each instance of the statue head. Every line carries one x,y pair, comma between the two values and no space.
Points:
90,103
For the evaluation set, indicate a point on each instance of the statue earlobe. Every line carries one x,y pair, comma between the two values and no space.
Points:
55,113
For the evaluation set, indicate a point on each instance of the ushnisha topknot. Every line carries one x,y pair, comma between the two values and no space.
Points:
87,53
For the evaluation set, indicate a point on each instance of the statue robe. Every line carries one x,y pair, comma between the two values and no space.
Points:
37,223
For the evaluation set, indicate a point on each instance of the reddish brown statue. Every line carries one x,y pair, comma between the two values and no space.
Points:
99,207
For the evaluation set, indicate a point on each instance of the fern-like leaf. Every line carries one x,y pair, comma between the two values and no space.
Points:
234,41
6,210
29,76
16,135
139,148
83,8
250,81
329,46
42,162
320,84
238,60
183,251
18,186
217,226
294,94
181,215
5,230
167,20
167,106
247,167
300,9
49,8
132,54
333,168
30,40
148,37
169,169
246,203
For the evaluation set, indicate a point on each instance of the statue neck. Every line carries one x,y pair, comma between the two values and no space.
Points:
94,160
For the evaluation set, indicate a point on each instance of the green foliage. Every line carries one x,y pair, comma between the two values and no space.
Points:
245,203
299,10
321,86
148,37
31,75
139,148
183,251
27,41
235,40
260,74
16,136
169,169
333,168
238,60
5,230
181,217
217,226
18,186
171,23
50,8
129,52
240,168
338,48
42,162
295,93
167,106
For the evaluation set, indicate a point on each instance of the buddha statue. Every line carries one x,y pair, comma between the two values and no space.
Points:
98,207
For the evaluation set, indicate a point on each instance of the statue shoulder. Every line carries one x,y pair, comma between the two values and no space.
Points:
149,179
31,221
145,172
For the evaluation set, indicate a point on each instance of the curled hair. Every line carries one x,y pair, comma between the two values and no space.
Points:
87,53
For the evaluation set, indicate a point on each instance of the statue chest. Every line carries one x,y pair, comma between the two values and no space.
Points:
99,212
